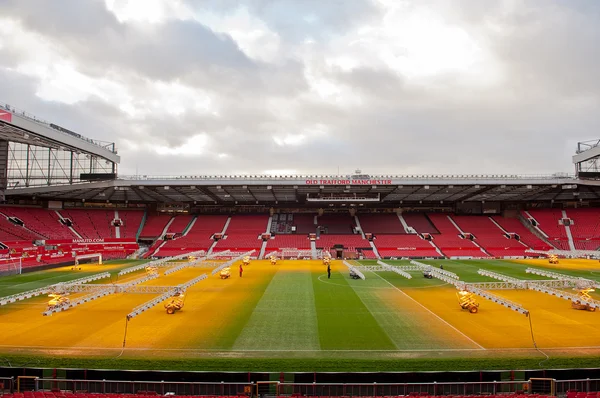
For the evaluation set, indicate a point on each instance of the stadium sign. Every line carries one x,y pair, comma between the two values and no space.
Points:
348,182
5,116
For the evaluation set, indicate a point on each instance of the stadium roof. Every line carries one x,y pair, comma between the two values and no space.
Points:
386,190
20,126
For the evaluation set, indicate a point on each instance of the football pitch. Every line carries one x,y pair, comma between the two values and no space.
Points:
293,314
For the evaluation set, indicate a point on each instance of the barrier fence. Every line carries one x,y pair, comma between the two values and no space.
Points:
143,387
399,389
7,384
545,386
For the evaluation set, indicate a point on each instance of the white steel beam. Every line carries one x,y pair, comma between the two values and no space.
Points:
51,288
231,262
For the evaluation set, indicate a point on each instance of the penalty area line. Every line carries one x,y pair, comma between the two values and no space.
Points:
432,313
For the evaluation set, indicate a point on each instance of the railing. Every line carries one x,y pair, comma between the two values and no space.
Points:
45,123
561,176
561,387
7,384
401,389
280,389
538,386
143,387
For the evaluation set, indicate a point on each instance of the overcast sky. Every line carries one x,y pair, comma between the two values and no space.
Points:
310,86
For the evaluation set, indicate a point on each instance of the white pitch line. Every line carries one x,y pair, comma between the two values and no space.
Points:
216,350
348,286
432,313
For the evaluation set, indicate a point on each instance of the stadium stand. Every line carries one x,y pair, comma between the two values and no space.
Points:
404,246
179,224
548,221
12,232
42,221
154,226
289,242
91,224
348,241
490,236
243,233
585,228
282,223
152,249
131,219
420,222
198,237
336,224
387,223
448,239
305,223
368,254
515,226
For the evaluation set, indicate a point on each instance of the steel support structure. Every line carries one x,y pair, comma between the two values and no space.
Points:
578,281
519,284
387,267
57,287
564,295
231,262
169,293
354,270
498,300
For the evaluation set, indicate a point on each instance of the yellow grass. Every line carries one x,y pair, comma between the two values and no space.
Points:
555,323
214,305
209,306
566,264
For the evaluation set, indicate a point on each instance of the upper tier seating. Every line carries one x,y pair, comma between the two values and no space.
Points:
243,233
131,223
387,223
514,225
337,224
489,236
282,223
420,223
585,228
91,224
548,221
247,224
12,232
198,237
154,226
305,223
179,224
288,242
448,239
43,221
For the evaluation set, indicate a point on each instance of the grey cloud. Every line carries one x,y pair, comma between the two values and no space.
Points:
549,101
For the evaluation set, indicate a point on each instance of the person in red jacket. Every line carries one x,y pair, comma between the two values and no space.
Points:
241,270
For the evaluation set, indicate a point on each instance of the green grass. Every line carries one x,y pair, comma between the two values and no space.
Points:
306,364
409,325
15,284
344,320
285,318
467,270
